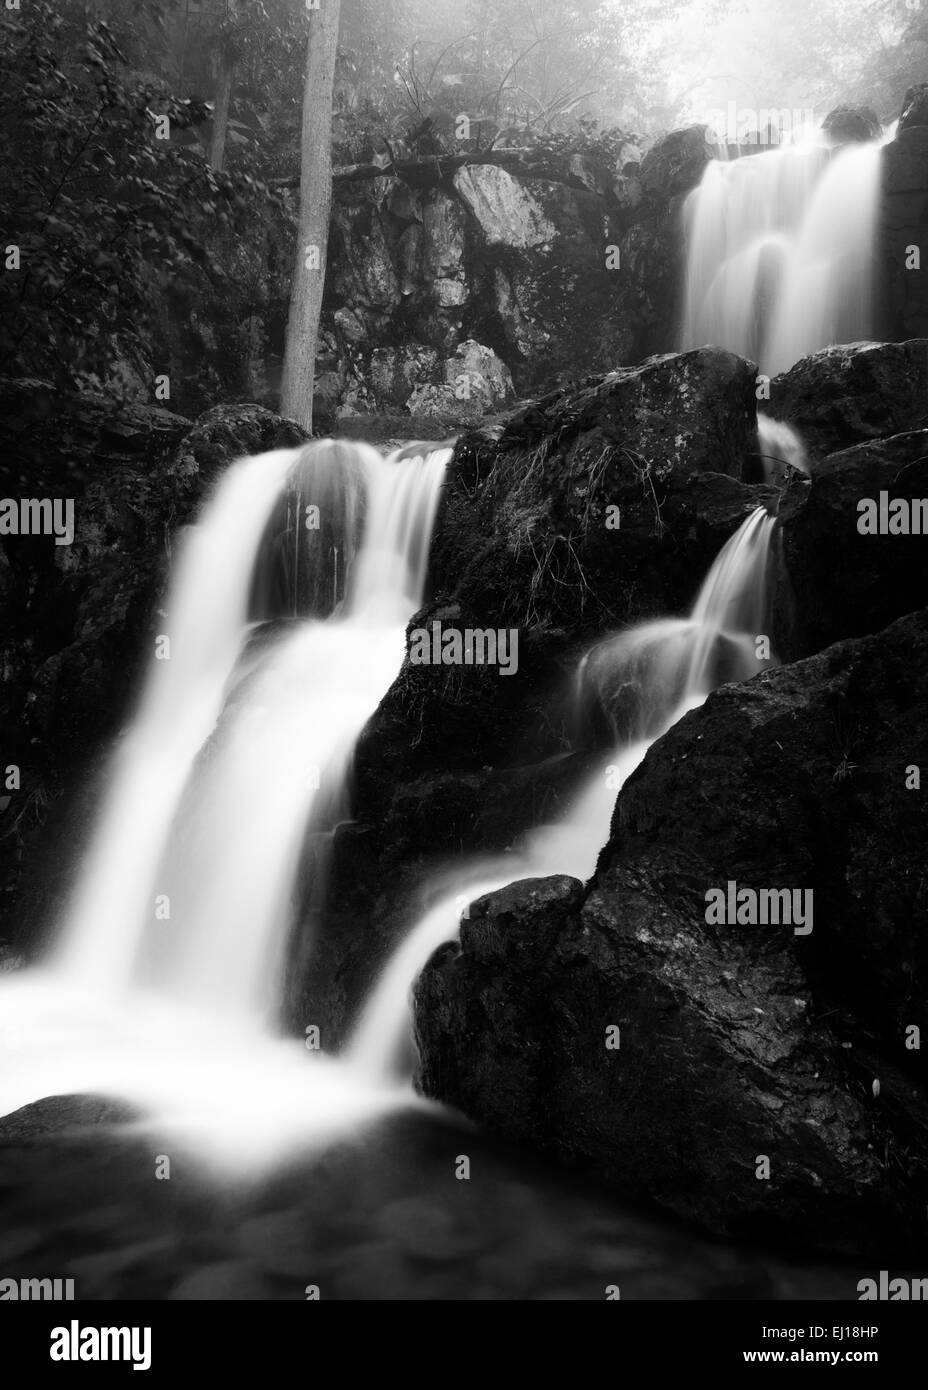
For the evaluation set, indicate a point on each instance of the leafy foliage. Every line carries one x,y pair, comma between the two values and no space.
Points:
111,221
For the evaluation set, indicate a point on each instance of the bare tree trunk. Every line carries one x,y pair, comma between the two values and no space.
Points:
217,149
296,398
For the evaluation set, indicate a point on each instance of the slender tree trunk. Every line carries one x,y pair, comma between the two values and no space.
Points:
296,398
217,149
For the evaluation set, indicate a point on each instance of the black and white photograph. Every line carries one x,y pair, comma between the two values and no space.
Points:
464,668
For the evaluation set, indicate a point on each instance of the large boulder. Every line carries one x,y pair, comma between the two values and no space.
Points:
676,164
854,393
590,508
835,580
849,125
760,1081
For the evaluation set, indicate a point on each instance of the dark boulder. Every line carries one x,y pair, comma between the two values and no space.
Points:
592,507
853,393
735,1043
835,582
676,163
846,125
63,1115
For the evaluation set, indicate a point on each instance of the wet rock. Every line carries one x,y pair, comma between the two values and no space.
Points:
577,515
57,1115
853,393
860,582
734,1042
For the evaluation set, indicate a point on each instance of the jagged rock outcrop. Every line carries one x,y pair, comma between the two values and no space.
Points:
561,265
736,1043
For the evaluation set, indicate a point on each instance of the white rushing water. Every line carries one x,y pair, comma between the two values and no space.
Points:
657,672
241,744
780,251
169,963
779,447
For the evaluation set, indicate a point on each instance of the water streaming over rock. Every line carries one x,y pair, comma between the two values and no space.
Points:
241,743
780,252
644,680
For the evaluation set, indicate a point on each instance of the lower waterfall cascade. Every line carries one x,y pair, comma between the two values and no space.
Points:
252,724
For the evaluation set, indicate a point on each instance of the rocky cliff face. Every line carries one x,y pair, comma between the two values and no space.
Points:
559,266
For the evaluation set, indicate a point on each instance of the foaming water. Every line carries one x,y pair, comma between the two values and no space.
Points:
779,447
166,981
644,680
780,250
237,1097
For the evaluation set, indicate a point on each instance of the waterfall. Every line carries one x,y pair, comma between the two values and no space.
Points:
240,746
288,715
644,679
779,447
208,608
241,743
780,250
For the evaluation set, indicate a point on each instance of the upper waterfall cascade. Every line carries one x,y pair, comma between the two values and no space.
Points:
780,251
